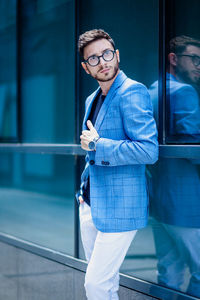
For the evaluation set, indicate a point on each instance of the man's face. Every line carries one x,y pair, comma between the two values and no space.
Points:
105,70
185,68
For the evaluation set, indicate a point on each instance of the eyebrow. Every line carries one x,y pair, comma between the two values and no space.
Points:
101,52
192,54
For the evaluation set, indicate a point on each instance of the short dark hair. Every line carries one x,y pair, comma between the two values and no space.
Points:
91,36
178,44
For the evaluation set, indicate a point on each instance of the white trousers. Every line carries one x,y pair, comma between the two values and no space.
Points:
105,253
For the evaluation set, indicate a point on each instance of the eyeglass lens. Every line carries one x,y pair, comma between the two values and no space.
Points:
196,60
107,56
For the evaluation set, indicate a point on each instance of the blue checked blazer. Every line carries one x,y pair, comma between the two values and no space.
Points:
128,141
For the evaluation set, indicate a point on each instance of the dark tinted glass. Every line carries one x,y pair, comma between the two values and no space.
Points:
183,72
37,199
47,87
8,106
175,217
175,182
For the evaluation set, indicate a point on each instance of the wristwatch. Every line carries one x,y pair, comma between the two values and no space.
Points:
92,144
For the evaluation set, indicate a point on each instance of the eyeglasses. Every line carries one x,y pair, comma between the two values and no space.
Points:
195,58
94,60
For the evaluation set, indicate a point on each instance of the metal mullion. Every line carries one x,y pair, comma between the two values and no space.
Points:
178,151
77,128
18,72
64,149
162,72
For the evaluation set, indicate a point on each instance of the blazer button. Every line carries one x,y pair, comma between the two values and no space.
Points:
105,163
92,162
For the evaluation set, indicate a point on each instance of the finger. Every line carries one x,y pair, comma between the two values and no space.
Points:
84,143
85,132
89,125
80,198
85,139
84,146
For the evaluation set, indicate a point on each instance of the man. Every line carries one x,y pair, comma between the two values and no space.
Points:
175,181
119,135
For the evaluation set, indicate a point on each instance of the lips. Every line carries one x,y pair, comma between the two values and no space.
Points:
105,70
196,73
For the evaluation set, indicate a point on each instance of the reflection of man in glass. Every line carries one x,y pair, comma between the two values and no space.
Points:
175,193
184,58
183,81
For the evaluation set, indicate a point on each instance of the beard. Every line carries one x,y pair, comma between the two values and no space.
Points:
110,77
191,79
197,80
188,77
103,77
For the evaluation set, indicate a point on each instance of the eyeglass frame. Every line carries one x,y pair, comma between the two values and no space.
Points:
192,56
99,56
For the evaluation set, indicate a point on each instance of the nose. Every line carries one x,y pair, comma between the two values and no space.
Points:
101,61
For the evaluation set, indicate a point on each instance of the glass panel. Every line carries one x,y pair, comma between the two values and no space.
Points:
183,72
48,64
175,211
8,107
37,199
175,183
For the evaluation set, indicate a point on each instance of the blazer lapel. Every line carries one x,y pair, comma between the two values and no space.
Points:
88,109
116,84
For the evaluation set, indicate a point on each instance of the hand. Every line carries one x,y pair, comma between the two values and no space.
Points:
80,198
88,136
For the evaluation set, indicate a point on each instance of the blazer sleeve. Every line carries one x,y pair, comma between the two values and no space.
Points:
140,145
186,112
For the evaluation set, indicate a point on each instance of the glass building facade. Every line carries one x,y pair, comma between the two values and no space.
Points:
42,97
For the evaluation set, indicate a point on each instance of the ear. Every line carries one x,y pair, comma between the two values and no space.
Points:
172,58
118,57
85,67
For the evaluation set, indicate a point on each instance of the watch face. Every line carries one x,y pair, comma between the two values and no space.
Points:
91,145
